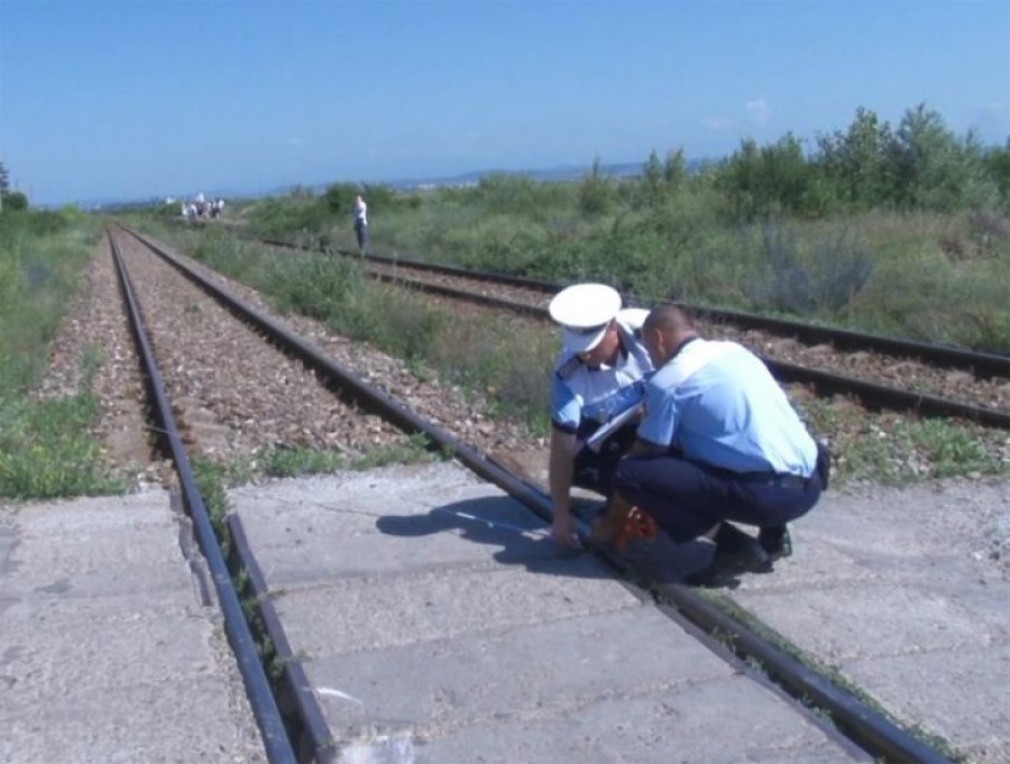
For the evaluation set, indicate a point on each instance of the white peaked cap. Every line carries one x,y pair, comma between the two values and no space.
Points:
584,311
633,318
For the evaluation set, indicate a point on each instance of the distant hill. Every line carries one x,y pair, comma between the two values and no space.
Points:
559,174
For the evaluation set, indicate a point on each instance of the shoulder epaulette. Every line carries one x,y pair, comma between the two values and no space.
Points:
569,367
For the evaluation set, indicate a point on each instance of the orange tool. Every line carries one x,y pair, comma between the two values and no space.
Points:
638,524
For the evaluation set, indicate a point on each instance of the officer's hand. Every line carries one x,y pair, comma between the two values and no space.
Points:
563,530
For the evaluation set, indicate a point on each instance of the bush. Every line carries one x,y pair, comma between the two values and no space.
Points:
508,194
15,201
825,281
286,218
316,286
596,192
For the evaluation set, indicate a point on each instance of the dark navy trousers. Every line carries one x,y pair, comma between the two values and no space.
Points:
688,498
595,471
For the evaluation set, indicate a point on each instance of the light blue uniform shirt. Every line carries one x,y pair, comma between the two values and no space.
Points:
720,405
583,398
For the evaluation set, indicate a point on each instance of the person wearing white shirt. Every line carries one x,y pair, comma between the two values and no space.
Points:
361,223
719,442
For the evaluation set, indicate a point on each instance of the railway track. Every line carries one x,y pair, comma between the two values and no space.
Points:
880,372
362,409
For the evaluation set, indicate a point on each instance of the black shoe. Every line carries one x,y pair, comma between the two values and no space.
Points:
776,542
735,553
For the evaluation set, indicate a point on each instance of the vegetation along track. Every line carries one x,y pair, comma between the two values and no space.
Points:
206,355
883,372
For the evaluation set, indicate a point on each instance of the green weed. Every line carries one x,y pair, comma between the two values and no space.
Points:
47,449
294,462
413,450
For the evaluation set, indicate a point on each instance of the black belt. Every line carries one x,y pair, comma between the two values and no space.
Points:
781,479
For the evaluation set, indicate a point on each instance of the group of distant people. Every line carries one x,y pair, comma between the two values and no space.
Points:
202,209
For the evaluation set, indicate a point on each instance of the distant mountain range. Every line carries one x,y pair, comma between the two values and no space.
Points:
559,174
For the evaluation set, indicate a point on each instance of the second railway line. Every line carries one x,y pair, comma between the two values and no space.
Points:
977,382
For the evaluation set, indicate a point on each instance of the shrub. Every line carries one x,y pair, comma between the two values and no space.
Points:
280,218
826,281
15,201
315,286
596,192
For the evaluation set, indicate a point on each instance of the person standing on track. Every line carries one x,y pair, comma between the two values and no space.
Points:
719,442
361,223
596,390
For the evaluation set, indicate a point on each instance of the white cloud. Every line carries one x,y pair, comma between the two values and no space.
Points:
719,124
758,111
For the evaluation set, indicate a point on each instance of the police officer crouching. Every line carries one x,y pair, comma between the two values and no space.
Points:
719,443
596,394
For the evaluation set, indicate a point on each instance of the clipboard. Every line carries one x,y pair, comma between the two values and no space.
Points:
595,441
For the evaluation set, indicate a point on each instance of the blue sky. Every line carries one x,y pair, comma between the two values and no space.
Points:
111,99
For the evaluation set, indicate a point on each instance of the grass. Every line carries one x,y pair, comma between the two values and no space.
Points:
284,462
892,449
298,462
47,449
47,445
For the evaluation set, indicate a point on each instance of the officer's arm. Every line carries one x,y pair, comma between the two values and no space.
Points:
562,468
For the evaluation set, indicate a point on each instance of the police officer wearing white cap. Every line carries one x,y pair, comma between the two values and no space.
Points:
597,389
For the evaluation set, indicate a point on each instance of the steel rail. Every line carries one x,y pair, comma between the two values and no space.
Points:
983,364
313,738
871,394
869,728
261,698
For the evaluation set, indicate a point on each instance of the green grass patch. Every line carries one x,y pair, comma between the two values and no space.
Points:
295,462
47,449
47,446
416,449
284,462
895,450
212,480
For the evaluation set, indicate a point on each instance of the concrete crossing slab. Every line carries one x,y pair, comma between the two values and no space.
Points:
439,624
904,591
108,652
